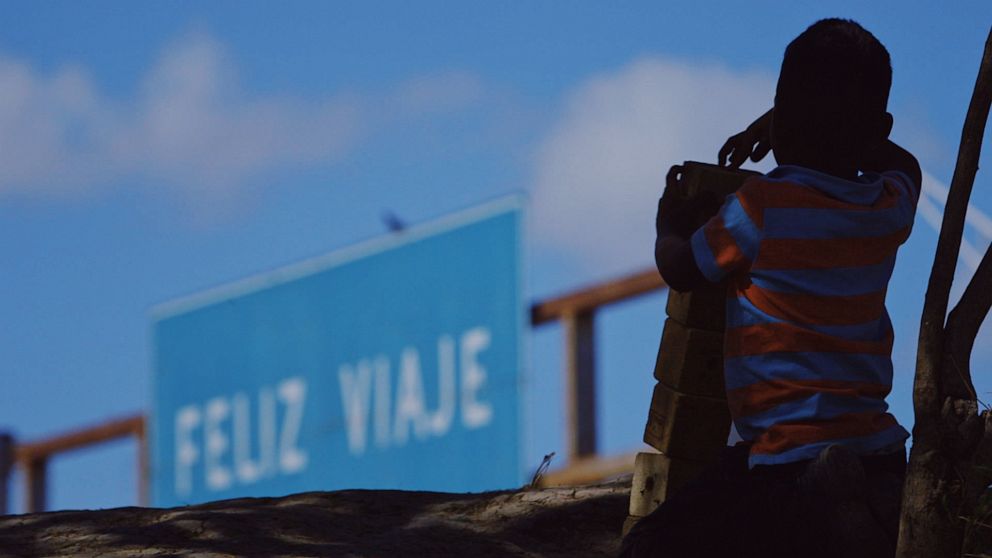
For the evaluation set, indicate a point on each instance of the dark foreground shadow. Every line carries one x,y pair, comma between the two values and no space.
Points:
583,521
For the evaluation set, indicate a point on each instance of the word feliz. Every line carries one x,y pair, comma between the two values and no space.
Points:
277,447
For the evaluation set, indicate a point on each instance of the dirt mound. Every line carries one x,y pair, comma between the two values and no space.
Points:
579,521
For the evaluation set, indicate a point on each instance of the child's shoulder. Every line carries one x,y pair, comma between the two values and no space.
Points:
792,184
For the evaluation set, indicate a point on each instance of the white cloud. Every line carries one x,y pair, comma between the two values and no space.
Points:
41,121
191,125
978,225
600,171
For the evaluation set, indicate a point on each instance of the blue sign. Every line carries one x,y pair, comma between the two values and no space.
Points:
392,364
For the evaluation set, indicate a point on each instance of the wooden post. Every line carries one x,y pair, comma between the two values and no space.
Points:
35,484
580,383
6,464
141,435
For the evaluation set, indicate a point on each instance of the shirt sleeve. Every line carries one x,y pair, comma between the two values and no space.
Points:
904,183
727,243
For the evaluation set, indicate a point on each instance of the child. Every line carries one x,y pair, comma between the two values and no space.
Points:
806,253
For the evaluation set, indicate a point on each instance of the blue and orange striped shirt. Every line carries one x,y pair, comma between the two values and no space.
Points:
807,258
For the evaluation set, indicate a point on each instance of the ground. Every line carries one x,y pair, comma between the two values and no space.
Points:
548,522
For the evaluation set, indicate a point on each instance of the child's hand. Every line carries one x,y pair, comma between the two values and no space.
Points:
679,216
754,142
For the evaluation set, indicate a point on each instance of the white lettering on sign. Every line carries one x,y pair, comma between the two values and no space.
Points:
410,399
228,455
356,384
293,393
475,414
382,399
215,440
441,420
187,419
246,469
365,390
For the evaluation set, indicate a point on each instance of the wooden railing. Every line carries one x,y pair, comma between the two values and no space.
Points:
577,313
32,458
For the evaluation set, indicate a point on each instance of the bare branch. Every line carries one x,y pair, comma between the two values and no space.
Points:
962,328
927,396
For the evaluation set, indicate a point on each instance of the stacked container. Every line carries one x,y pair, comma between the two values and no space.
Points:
688,421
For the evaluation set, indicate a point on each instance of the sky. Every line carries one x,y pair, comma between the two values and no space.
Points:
152,150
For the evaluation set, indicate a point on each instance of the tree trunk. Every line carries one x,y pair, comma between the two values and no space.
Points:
942,481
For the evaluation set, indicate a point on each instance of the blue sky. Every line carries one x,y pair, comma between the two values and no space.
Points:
152,150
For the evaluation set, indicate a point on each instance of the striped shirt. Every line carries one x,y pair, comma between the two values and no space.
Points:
807,258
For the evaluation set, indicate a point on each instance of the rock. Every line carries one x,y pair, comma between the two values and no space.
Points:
549,522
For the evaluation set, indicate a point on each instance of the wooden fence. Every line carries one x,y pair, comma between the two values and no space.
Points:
577,313
32,458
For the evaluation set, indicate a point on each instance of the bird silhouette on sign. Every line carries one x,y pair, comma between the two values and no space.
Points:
392,221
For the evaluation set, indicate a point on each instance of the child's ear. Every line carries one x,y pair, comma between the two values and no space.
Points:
886,126
878,132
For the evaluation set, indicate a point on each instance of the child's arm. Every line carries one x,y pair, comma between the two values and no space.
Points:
674,259
891,157
675,223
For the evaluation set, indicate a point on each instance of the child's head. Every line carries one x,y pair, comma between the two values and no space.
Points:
830,103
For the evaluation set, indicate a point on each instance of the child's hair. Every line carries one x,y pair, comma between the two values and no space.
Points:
833,89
